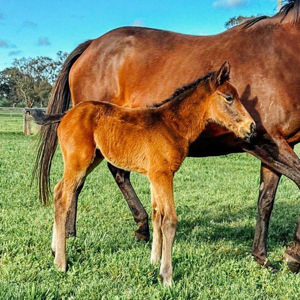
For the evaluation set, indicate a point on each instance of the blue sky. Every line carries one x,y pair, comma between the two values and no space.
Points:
31,28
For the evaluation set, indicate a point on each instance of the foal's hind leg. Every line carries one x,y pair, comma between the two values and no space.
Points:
72,215
76,167
139,213
62,205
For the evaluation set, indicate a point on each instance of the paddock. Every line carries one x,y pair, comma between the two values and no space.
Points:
217,215
16,119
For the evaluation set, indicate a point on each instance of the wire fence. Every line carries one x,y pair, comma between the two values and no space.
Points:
14,119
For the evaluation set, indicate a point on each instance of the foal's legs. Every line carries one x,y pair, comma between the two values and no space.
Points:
139,213
64,192
268,186
76,168
165,221
72,215
157,233
71,218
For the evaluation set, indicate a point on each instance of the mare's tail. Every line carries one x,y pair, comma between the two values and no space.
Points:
58,104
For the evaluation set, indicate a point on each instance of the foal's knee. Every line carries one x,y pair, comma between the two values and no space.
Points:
169,225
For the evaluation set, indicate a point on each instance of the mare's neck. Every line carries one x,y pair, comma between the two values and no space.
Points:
188,116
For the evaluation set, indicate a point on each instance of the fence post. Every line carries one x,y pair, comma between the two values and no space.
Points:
27,124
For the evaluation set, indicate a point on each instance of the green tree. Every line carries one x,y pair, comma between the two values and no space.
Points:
29,81
8,87
236,20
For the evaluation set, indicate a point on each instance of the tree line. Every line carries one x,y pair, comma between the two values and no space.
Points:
29,81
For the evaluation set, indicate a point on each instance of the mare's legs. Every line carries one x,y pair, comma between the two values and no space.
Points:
279,156
268,185
292,253
139,213
164,223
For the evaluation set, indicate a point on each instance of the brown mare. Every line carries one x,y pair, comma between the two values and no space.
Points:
151,141
134,67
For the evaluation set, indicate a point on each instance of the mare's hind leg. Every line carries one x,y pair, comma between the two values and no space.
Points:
268,186
292,253
280,157
139,213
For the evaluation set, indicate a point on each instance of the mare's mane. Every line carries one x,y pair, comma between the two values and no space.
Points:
291,6
183,92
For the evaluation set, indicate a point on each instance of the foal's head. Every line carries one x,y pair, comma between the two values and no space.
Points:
225,107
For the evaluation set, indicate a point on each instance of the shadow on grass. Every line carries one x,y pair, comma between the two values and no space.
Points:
238,227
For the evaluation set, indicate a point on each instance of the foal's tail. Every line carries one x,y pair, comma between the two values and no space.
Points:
40,118
58,104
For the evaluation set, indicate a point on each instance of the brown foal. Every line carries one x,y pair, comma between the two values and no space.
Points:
152,141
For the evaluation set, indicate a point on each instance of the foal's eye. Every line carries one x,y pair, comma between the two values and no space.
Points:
228,97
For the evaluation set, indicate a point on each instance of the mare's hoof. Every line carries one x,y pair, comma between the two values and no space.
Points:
142,234
292,260
270,267
264,262
71,234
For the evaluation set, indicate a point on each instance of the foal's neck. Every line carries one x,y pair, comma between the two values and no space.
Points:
188,116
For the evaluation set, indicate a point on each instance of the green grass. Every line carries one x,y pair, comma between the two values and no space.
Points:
11,121
216,205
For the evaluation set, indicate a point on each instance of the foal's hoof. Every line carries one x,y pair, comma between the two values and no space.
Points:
142,234
166,281
292,260
61,266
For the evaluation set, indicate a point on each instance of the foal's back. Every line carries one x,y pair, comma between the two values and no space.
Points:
131,139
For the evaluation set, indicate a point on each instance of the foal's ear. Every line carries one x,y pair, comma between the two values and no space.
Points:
223,74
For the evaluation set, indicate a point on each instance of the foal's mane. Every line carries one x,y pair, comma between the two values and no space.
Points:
183,92
291,6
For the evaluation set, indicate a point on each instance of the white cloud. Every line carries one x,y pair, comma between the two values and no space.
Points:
228,3
43,41
138,23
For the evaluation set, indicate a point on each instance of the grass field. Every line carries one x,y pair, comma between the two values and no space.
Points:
216,205
11,121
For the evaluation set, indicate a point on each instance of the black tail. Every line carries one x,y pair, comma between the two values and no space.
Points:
58,104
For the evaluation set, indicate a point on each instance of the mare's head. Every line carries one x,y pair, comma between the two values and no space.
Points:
225,107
